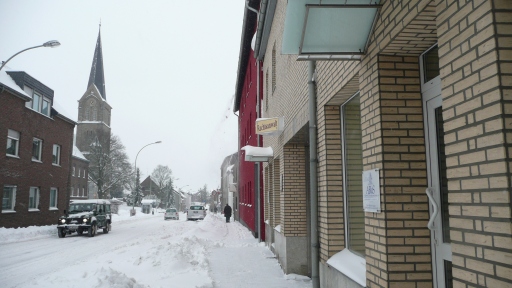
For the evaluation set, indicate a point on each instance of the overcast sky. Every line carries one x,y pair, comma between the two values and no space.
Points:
170,72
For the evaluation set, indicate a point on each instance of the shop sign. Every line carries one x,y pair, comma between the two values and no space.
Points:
269,126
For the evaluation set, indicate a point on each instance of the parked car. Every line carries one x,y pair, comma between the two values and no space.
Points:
85,216
196,212
171,213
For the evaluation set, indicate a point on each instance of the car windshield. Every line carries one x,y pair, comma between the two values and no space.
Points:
196,208
76,208
170,210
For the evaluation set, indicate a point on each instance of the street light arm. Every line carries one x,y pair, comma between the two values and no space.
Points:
52,44
157,142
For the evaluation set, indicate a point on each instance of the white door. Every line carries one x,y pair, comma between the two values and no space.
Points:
437,190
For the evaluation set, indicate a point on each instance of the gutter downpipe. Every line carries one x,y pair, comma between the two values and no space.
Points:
313,185
258,164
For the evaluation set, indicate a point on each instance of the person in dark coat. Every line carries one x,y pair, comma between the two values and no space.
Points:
227,212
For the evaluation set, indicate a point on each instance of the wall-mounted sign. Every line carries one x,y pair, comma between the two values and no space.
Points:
371,191
269,126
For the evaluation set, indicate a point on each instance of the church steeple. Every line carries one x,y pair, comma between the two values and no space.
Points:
97,76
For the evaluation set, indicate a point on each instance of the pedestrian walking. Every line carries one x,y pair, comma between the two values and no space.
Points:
227,212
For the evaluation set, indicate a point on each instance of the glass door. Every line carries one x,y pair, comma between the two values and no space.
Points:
437,193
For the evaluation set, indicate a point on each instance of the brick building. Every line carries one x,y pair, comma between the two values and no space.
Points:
35,171
247,98
426,103
79,176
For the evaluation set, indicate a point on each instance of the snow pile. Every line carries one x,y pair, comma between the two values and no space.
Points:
143,251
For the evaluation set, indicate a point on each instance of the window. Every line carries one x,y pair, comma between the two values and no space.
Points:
37,148
73,171
53,198
33,199
352,176
72,191
13,140
45,109
39,103
56,154
9,198
274,68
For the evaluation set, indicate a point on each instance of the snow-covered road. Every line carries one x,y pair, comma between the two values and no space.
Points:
142,251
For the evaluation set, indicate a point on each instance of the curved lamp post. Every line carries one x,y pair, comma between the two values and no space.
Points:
137,173
51,44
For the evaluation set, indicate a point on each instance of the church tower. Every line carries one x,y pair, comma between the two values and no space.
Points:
93,125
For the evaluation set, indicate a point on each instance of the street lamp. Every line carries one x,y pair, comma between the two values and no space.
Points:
137,173
51,44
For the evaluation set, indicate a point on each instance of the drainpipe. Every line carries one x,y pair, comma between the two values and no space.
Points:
313,185
258,164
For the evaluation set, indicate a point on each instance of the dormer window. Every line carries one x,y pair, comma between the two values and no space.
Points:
39,103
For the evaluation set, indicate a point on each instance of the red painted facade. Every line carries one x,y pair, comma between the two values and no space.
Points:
248,136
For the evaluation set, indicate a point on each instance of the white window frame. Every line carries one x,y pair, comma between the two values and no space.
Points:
13,135
56,156
40,152
53,206
13,199
432,83
42,101
34,193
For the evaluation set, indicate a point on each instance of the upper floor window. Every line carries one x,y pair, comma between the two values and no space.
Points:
9,198
39,103
13,140
37,149
73,173
56,154
33,199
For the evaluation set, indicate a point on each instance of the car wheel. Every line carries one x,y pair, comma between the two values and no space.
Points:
92,230
106,229
61,232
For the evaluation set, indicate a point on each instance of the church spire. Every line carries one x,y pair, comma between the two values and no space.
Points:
97,76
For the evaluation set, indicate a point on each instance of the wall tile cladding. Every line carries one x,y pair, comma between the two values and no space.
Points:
475,58
25,173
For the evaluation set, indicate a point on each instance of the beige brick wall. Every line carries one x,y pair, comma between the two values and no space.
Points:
330,180
475,59
293,197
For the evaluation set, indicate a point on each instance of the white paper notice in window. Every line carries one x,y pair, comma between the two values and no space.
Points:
371,191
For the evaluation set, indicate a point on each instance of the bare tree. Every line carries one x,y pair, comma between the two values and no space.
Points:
162,175
108,168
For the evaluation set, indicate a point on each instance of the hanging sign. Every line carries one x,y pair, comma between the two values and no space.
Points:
371,191
269,126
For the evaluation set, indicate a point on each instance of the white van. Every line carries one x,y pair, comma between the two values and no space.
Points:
196,212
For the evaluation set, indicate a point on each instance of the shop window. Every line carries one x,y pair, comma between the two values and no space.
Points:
352,175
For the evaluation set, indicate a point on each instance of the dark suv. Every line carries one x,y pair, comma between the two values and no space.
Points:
86,216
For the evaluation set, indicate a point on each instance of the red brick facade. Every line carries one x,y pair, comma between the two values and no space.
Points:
23,172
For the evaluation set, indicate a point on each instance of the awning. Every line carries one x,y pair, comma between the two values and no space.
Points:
331,29
258,154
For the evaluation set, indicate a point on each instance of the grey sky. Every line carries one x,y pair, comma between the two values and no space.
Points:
170,72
